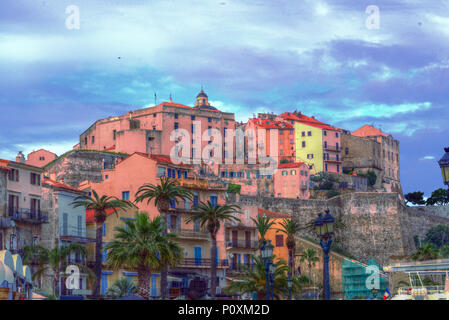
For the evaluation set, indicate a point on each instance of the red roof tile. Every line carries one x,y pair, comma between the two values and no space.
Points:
270,124
307,120
59,185
368,130
90,214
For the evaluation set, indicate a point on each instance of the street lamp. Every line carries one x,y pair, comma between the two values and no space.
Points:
289,284
272,271
444,165
324,228
266,252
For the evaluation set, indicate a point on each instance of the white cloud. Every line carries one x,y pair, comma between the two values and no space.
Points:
427,158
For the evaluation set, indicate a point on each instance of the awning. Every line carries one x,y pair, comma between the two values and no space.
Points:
18,267
6,274
6,259
27,274
37,296
171,278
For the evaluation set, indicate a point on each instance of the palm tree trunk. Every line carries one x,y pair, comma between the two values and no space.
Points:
164,270
213,267
143,279
310,273
98,258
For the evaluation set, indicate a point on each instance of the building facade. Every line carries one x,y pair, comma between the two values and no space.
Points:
148,130
390,159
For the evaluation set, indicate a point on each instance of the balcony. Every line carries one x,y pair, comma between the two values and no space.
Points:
333,148
238,269
77,235
240,225
190,233
333,159
193,262
27,215
242,244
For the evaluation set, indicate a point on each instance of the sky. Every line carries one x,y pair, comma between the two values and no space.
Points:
329,59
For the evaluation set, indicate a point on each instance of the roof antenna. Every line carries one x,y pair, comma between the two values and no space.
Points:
155,99
171,100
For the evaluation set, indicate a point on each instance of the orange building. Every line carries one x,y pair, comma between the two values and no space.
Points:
278,239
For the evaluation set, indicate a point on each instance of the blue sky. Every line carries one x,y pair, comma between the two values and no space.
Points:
251,56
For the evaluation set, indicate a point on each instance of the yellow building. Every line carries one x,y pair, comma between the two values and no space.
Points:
309,146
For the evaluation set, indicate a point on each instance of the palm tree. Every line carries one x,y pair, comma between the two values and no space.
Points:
122,288
310,257
163,194
290,228
55,260
211,216
254,280
427,251
100,205
142,245
263,224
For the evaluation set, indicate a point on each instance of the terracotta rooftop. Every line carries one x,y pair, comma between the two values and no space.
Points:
60,185
367,131
90,214
299,117
270,124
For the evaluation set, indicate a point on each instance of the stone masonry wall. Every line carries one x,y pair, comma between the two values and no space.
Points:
78,166
377,225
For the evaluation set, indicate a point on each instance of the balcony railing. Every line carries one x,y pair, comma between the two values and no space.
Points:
194,262
243,244
331,147
201,184
332,159
190,233
27,215
76,234
239,268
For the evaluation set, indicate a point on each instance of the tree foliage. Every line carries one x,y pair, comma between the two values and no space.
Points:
439,197
438,235
416,198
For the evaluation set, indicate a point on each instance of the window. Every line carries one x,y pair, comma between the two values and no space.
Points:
106,177
160,172
325,167
13,175
303,133
309,133
284,173
93,139
193,128
248,175
324,132
291,141
125,195
13,242
291,131
293,172
114,134
281,152
172,203
65,224
35,179
325,144
176,116
336,134
213,200
42,158
338,167
154,115
279,240
346,151
303,144
176,125
80,225
85,141
192,117
281,141
209,119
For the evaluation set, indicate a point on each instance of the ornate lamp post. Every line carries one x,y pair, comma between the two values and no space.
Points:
324,228
267,253
272,271
289,284
444,165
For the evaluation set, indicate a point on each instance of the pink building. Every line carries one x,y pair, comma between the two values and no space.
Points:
127,176
40,158
291,180
148,130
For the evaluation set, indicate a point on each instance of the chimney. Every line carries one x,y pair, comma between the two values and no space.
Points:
20,157
313,117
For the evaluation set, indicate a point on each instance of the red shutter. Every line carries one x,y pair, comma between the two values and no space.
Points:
279,240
